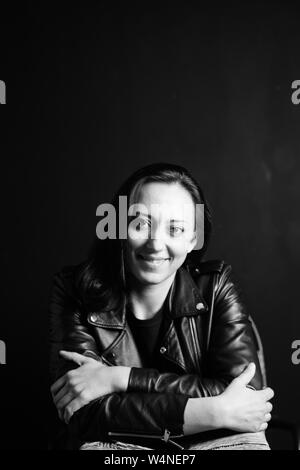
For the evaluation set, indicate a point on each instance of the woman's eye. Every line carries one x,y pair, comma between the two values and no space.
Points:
176,230
141,224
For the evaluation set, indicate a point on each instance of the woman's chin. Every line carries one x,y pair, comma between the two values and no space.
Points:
152,277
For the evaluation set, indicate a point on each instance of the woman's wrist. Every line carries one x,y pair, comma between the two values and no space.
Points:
202,414
120,378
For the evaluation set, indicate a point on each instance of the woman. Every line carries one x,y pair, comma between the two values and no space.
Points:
150,343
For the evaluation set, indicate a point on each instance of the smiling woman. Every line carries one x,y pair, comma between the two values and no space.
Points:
149,343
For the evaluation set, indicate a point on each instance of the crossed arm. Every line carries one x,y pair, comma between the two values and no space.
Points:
77,393
94,398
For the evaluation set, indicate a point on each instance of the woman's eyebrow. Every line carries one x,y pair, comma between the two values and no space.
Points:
138,213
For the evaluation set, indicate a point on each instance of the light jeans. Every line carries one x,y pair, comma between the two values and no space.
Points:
243,441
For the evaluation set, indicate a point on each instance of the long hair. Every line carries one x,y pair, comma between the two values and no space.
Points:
101,278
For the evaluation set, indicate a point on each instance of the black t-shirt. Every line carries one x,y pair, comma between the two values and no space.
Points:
147,334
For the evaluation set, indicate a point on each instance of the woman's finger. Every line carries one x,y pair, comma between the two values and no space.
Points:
72,407
57,385
268,393
269,406
61,393
80,359
268,417
65,400
263,427
60,415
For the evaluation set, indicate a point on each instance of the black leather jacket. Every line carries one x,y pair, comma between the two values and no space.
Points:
155,400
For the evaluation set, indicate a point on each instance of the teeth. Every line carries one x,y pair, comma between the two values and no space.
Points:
154,261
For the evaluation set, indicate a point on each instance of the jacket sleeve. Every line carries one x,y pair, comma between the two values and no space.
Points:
116,412
68,330
133,413
232,348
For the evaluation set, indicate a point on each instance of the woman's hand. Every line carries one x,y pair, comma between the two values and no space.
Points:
245,409
91,380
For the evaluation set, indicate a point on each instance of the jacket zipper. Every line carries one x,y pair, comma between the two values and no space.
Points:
165,437
196,345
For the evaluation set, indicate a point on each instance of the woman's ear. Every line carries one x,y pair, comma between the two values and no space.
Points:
192,243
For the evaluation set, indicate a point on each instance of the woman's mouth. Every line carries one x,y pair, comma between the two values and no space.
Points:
153,261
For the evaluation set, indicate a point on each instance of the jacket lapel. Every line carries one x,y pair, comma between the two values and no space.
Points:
184,299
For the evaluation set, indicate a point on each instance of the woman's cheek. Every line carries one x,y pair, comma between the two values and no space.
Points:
135,241
179,248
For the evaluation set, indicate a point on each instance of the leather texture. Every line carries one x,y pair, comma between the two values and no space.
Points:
155,399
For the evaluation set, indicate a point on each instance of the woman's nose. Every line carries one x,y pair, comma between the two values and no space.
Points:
156,238
155,244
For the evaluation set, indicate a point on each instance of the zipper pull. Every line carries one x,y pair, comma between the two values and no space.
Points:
166,439
166,435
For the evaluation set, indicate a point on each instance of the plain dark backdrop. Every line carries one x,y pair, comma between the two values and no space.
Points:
95,92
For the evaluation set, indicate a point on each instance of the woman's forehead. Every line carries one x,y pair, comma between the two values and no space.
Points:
157,192
166,199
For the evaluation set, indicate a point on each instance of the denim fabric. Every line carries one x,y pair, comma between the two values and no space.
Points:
243,441
117,445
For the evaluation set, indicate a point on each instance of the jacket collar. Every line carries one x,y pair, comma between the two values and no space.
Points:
183,299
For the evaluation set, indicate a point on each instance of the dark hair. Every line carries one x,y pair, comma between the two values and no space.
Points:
100,279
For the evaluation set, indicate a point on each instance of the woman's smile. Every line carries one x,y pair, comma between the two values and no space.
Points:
152,261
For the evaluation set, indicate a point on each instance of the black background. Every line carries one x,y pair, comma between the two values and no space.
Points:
94,92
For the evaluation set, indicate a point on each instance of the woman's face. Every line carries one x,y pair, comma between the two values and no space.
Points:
162,234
